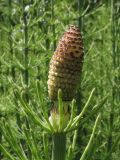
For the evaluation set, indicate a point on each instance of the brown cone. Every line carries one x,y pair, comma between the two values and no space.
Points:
66,65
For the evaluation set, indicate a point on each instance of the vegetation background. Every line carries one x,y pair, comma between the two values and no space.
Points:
29,32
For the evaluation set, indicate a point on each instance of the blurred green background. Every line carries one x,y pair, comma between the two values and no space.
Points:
29,33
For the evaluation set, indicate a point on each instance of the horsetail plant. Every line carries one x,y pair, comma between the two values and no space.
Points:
64,73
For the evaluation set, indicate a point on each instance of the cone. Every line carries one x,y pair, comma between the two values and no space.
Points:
66,65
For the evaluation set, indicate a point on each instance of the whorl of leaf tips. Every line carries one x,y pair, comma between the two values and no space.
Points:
66,65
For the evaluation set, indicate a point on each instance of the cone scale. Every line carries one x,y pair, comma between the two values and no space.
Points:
66,65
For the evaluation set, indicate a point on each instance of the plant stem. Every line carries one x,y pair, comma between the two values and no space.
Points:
79,131
111,118
26,74
53,25
26,61
0,142
10,38
80,8
59,146
115,89
46,26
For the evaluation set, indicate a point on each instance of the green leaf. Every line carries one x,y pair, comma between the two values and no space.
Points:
6,153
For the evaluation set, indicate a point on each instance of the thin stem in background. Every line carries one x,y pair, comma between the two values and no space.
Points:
53,25
45,29
25,73
101,84
32,28
0,142
80,9
1,51
111,118
10,38
78,140
11,53
46,26
3,87
33,41
115,57
26,61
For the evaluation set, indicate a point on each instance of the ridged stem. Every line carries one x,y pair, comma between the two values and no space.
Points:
0,143
10,38
46,26
79,131
59,146
111,118
115,57
25,72
53,25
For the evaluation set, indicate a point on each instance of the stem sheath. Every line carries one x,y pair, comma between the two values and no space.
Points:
59,146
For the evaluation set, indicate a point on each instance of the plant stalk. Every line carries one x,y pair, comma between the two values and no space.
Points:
53,25
0,142
111,118
59,146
